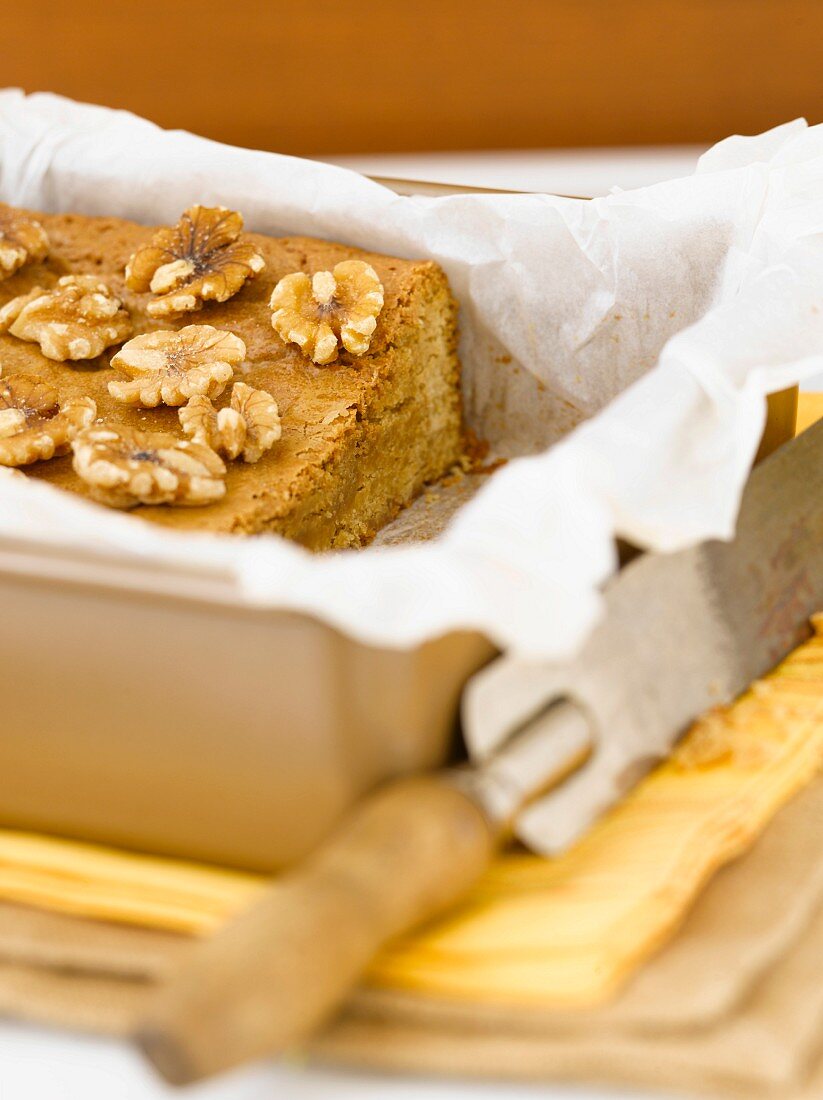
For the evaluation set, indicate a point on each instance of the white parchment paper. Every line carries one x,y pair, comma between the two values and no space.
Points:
662,317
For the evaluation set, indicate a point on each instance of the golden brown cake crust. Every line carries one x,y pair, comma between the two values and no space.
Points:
360,436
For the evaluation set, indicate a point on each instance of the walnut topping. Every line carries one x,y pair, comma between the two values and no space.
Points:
34,424
203,258
12,310
333,306
250,426
78,319
124,467
224,431
22,240
170,367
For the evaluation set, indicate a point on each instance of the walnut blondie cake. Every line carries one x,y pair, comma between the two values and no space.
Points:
286,385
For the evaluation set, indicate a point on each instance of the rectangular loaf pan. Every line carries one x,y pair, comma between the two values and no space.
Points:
145,707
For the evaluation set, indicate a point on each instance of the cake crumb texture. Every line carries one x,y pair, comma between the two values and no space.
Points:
361,436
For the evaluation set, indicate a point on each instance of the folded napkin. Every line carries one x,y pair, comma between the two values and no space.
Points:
769,1046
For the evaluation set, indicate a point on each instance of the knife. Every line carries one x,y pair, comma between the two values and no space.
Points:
553,747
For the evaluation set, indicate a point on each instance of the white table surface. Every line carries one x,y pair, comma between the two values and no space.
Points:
42,1065
37,1064
582,172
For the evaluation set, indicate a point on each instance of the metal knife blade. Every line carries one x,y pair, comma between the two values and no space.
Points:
681,633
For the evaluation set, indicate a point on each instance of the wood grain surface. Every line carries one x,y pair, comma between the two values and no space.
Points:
435,74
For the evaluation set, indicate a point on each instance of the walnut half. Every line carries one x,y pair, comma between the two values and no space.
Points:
34,424
330,307
124,467
22,240
170,367
250,426
203,258
78,319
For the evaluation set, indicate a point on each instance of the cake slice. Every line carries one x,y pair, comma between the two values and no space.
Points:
361,436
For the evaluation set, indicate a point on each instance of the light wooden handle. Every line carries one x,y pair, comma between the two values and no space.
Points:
277,972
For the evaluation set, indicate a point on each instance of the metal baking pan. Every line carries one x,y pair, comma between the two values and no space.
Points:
143,707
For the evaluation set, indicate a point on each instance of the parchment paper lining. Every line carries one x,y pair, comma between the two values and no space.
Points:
664,315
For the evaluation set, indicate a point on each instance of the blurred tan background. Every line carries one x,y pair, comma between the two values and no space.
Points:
332,78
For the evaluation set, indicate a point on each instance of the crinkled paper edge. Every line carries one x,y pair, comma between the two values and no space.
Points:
528,578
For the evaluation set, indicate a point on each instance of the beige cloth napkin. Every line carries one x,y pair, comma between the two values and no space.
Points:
768,1047
734,1006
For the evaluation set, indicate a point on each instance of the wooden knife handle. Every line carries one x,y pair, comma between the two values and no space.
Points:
278,971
